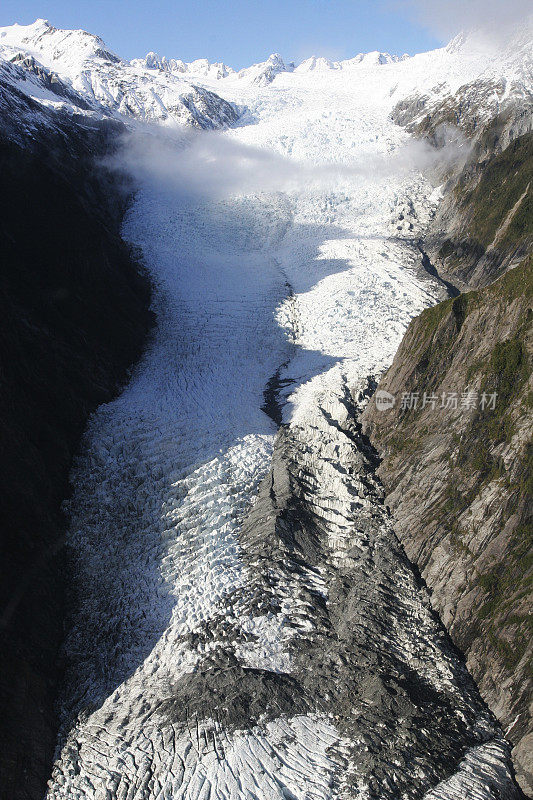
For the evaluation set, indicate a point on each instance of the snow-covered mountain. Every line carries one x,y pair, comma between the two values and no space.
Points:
75,69
246,623
264,73
200,66
56,65
261,73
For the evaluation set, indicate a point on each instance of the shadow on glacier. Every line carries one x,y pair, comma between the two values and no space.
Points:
198,391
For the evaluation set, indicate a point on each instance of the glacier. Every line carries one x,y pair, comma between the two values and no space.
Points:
246,624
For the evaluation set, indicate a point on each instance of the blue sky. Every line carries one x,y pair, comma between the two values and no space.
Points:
238,32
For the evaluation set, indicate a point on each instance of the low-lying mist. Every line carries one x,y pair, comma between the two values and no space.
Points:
207,165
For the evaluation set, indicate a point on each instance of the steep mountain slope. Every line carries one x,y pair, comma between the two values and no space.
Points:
78,63
244,621
74,314
483,224
459,480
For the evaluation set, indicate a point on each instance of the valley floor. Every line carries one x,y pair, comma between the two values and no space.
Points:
178,599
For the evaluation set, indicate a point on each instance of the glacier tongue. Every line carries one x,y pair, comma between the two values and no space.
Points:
246,624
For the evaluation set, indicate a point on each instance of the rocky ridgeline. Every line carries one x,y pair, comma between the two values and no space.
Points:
458,479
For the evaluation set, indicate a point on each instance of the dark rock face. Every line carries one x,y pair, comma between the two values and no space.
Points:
485,221
74,316
488,221
459,483
459,480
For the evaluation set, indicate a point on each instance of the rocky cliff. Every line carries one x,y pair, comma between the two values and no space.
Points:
74,315
484,223
456,443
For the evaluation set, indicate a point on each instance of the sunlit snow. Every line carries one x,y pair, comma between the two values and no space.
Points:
313,283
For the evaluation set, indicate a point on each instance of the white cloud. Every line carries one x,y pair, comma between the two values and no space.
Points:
497,20
212,165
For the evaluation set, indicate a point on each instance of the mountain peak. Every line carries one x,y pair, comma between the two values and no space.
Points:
264,73
318,63
199,67
275,58
56,48
41,23
457,43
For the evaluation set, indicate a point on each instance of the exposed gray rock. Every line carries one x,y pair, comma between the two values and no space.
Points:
459,484
374,655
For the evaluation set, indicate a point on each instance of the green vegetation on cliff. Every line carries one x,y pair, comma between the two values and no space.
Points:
500,207
462,479
492,218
